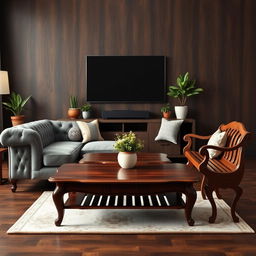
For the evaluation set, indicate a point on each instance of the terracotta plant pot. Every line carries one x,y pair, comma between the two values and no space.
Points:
16,120
167,115
73,113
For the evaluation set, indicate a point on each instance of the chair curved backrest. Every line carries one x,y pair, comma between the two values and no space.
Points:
236,135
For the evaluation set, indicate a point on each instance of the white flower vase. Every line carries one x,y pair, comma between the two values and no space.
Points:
181,112
86,114
127,160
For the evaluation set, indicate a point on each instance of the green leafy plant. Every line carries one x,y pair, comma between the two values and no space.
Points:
128,142
166,108
86,107
16,103
73,102
185,88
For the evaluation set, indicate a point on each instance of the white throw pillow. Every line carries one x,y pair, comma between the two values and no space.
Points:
219,139
90,131
169,130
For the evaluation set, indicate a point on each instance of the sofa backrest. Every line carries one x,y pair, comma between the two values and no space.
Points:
44,128
50,130
61,129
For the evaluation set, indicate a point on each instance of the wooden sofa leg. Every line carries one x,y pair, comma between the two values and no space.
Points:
14,185
239,192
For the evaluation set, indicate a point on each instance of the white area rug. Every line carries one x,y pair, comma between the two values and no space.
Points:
39,218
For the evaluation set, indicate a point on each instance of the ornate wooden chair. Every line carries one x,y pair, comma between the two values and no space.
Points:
223,172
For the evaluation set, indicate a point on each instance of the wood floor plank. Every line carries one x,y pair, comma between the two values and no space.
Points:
13,205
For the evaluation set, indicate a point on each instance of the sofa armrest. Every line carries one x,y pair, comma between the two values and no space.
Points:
18,138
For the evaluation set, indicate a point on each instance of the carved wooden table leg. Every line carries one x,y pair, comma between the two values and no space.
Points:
209,191
190,193
58,201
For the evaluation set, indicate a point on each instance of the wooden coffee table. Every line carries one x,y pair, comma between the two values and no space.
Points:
106,186
142,157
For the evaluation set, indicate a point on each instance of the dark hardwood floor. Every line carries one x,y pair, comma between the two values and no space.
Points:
13,205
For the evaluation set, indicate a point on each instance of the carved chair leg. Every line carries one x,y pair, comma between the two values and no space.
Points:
218,193
14,185
239,192
209,191
203,188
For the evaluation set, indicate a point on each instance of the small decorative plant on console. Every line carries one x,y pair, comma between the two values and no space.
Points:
166,111
127,144
16,105
185,88
86,108
74,110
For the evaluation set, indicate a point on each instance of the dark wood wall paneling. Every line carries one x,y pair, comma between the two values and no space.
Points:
44,44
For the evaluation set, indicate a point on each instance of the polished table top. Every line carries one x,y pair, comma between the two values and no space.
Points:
113,173
112,157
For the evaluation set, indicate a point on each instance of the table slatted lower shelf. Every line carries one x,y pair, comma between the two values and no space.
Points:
82,200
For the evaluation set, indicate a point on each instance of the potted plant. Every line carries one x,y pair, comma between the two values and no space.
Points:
127,144
16,105
184,88
86,108
166,111
74,110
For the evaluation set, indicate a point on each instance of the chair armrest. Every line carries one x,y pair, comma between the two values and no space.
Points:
203,150
188,138
20,137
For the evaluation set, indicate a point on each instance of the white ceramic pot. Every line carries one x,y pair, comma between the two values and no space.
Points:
181,111
127,160
86,114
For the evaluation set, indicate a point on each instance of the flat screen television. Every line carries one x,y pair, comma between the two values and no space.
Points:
126,79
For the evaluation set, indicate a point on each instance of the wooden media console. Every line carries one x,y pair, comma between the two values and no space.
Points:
147,130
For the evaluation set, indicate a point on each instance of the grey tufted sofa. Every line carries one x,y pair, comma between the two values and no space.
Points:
37,148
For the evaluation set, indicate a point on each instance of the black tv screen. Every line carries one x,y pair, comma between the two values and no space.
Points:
126,79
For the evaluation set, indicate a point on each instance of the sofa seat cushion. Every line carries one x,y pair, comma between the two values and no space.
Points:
106,146
61,152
